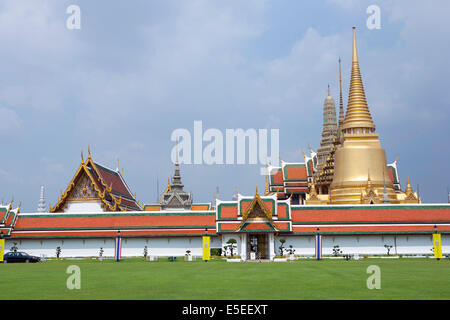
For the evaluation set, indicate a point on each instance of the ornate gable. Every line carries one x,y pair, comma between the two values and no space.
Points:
83,190
256,212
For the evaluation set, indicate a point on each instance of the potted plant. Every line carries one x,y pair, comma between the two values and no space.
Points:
100,255
291,251
336,251
188,255
14,248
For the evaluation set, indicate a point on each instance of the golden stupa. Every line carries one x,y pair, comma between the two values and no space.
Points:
360,173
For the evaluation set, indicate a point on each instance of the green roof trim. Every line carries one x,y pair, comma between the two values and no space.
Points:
293,165
219,210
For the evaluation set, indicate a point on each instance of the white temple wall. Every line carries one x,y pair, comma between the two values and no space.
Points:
177,246
167,246
364,244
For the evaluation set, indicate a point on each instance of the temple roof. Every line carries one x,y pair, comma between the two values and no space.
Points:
93,181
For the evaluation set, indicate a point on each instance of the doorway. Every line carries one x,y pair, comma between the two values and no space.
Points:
257,246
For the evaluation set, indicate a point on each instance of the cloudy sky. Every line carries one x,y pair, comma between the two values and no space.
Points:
136,72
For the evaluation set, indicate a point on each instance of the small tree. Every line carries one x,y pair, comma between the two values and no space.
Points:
145,252
58,252
336,251
100,254
231,244
291,249
14,248
388,248
188,253
281,247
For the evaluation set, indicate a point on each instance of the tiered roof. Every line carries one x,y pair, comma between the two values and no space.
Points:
290,178
95,182
8,218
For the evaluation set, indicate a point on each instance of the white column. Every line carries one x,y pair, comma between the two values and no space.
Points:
244,246
271,246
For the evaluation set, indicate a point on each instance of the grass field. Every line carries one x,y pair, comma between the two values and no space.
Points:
304,279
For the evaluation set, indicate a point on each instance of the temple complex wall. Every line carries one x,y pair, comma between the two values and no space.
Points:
90,247
177,246
364,244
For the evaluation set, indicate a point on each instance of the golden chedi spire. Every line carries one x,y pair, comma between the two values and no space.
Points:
341,100
360,151
358,114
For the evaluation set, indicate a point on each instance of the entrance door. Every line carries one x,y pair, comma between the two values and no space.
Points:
262,246
257,246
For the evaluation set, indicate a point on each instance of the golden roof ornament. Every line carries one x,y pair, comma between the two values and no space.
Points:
408,187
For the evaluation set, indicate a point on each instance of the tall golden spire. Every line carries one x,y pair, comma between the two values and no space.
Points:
341,100
360,151
358,114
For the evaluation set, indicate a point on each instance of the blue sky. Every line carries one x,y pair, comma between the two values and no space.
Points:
134,73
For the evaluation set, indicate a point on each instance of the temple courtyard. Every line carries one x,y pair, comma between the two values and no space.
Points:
133,278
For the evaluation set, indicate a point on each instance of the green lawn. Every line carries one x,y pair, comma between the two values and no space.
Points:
304,279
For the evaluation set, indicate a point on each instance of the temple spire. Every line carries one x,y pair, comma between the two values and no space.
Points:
358,114
341,100
41,205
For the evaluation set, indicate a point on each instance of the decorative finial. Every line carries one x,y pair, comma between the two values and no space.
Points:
89,151
369,182
82,158
328,89
266,191
256,189
117,165
408,187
